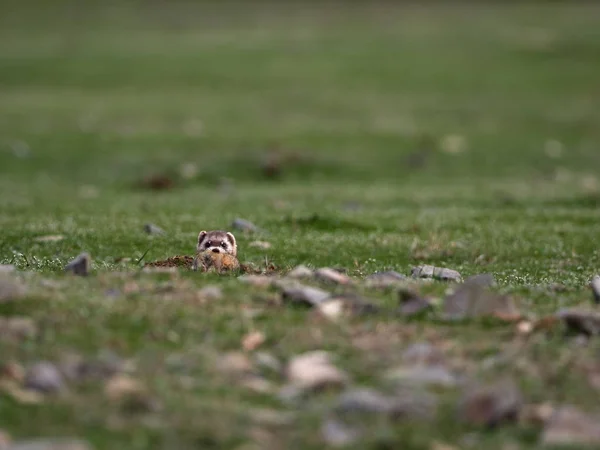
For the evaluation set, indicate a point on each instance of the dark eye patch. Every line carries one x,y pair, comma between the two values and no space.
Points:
208,243
223,244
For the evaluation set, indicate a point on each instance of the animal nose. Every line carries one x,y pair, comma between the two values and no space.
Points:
216,250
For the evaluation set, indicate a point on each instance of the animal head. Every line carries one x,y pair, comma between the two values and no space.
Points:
217,242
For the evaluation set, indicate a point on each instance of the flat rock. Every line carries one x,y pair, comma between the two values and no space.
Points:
436,273
314,371
80,265
595,285
306,295
301,272
11,288
491,405
332,276
581,320
51,444
472,300
243,225
570,426
384,280
44,377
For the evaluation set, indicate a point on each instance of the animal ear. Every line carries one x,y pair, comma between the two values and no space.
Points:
201,236
231,239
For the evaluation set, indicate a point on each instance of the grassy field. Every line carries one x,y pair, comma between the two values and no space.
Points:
364,137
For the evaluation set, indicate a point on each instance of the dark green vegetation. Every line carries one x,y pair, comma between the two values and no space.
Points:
460,136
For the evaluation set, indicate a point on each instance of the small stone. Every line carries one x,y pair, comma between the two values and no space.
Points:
570,426
491,405
301,272
263,245
262,281
210,293
253,340
384,280
314,371
483,280
51,444
267,361
525,327
80,265
7,268
17,328
44,377
348,304
332,276
595,285
581,321
425,271
150,228
436,273
305,295
471,300
10,288
244,225
50,238
411,303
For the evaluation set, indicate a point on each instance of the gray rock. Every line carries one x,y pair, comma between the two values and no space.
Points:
305,295
491,405
301,272
313,371
595,285
80,265
412,303
11,288
150,228
384,280
482,279
347,304
243,225
436,273
337,434
7,268
51,444
44,377
471,300
581,321
568,426
332,276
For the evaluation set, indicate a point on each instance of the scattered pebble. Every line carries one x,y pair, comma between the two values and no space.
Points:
595,285
253,340
44,377
263,245
244,225
472,300
491,405
10,288
314,371
332,276
150,228
306,295
210,293
581,321
301,272
384,280
17,328
256,280
570,426
412,303
50,238
80,265
51,444
436,273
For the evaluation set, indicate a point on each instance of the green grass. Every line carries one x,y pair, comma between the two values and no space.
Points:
362,97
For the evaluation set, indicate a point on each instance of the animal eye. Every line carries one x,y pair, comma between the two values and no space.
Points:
207,244
223,244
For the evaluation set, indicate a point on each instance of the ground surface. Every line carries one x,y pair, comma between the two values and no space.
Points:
366,138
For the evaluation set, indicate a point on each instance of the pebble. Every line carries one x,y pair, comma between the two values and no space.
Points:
301,272
333,276
150,228
384,280
253,340
44,377
412,303
80,265
437,273
243,225
314,370
595,285
306,295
